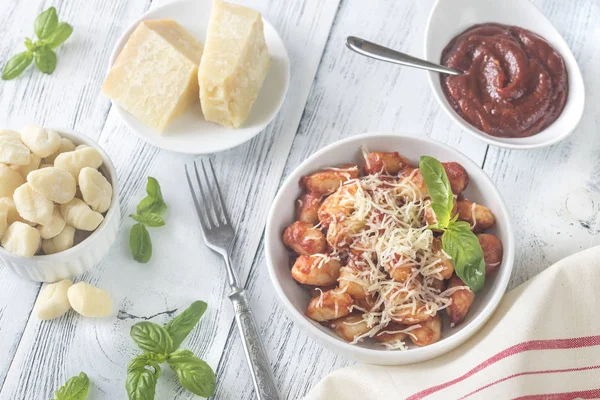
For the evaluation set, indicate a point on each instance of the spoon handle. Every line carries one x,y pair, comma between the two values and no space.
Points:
378,52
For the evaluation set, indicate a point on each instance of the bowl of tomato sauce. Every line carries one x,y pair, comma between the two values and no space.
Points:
521,86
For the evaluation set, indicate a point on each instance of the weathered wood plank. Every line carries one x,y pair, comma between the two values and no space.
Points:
182,269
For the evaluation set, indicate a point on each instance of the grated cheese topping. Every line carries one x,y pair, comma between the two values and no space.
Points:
384,233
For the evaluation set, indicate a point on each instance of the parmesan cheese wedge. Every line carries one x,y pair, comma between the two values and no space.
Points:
234,64
155,77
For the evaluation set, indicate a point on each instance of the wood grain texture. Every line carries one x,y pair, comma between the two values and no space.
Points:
553,193
182,269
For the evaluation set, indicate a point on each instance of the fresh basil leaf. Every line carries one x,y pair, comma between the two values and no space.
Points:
147,360
30,45
16,65
45,59
140,243
76,388
438,186
149,219
151,205
141,382
151,337
46,23
154,202
467,255
180,326
194,374
153,189
60,34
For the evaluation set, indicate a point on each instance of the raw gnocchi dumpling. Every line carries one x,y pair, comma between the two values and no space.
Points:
89,300
95,189
41,141
80,215
33,206
14,151
56,225
54,184
12,213
34,163
9,180
61,242
53,302
21,239
10,134
65,145
75,161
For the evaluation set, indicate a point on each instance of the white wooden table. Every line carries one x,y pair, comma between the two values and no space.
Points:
553,193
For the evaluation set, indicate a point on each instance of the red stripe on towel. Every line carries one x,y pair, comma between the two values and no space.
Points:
584,394
552,344
549,371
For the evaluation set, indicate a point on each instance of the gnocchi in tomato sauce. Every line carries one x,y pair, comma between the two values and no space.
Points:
364,247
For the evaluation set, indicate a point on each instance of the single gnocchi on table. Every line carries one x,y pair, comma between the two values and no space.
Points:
368,247
50,188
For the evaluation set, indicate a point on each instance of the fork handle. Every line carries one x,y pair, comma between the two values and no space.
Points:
262,376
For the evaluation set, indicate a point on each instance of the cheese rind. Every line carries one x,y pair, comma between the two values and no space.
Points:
155,76
234,64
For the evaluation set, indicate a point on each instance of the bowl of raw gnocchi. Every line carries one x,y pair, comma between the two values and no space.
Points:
389,249
59,205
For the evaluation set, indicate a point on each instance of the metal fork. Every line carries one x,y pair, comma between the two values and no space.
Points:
218,235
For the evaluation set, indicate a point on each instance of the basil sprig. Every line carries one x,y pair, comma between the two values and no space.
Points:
51,34
149,213
458,240
161,344
76,388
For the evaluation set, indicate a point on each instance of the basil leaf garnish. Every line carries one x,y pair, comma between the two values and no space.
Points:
438,186
465,250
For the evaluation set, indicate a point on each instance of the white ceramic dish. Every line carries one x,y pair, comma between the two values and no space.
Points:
448,18
85,255
295,298
191,133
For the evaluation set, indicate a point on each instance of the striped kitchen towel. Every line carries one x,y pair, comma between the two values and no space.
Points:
543,342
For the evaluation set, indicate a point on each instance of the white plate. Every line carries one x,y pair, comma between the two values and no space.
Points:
448,18
294,297
191,133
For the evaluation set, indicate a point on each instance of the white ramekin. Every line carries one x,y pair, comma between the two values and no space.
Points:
87,254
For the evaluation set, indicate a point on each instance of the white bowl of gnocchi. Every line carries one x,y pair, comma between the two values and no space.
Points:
389,249
59,205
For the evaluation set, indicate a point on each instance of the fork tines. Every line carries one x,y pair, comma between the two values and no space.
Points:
212,213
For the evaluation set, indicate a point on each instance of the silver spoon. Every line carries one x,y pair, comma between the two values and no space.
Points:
378,52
